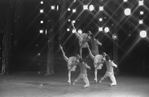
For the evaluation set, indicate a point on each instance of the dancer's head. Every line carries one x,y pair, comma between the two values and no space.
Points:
89,33
107,58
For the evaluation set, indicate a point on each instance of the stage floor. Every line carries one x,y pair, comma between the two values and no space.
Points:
32,84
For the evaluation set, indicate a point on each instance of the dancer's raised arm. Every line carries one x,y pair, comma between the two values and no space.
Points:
90,53
99,43
64,55
75,31
113,64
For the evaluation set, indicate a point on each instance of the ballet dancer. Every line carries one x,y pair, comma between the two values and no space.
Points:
98,61
83,38
72,63
110,71
83,73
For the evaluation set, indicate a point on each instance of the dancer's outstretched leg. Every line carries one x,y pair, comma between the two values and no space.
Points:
95,73
69,77
113,80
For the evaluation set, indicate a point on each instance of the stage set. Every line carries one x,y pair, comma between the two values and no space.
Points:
74,48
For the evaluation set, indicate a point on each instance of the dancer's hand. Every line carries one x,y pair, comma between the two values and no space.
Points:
60,47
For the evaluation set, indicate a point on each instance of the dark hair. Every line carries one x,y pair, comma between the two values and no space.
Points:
107,57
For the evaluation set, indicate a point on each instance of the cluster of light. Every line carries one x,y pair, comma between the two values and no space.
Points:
74,11
100,19
41,31
140,21
69,9
73,21
114,36
74,31
101,8
106,29
68,29
143,34
69,20
41,11
85,7
100,29
53,7
74,1
125,0
141,12
127,11
41,21
91,7
46,32
38,54
80,31
41,2
141,2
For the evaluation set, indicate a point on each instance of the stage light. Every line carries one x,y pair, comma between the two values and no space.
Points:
101,8
74,31
41,31
41,2
125,0
74,10
127,11
85,7
100,29
41,11
79,31
74,1
141,2
57,7
106,29
140,21
69,9
38,54
143,34
73,21
68,29
141,12
100,19
91,7
114,37
69,20
53,7
36,45
41,21
46,32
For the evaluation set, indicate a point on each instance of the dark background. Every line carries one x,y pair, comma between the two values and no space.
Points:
133,51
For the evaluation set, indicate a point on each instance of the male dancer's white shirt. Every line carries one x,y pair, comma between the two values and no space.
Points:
110,64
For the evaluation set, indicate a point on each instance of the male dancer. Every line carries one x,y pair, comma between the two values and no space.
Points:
94,45
98,62
83,39
72,63
109,73
83,73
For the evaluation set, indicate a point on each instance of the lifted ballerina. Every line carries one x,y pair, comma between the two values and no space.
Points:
109,73
98,60
72,63
83,39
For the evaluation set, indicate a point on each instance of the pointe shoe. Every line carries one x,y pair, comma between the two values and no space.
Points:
113,84
95,80
69,81
86,86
